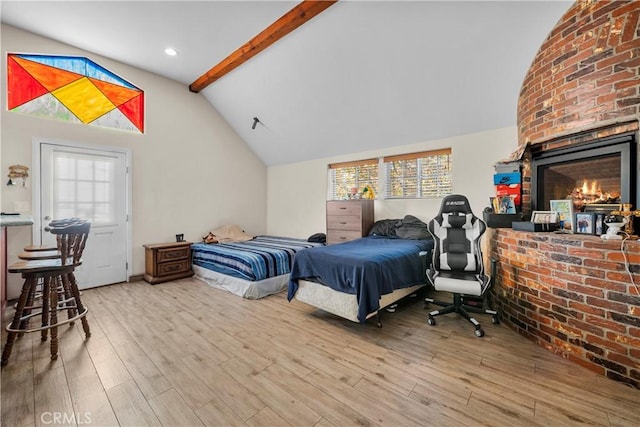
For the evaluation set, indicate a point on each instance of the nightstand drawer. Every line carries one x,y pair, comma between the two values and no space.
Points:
344,222
171,254
175,267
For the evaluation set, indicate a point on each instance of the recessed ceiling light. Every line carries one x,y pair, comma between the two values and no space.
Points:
171,51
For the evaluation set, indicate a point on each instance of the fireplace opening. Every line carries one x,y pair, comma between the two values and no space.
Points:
593,173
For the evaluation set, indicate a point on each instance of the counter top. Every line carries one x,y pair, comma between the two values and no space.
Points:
14,220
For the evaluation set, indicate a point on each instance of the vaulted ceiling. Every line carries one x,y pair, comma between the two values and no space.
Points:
361,75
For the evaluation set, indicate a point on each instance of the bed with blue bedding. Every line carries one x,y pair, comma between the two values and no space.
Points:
363,275
252,269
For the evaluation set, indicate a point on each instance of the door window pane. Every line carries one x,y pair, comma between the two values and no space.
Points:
83,187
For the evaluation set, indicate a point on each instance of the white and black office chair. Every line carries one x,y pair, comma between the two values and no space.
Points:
457,264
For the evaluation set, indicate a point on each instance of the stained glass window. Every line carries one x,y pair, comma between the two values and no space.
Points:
73,89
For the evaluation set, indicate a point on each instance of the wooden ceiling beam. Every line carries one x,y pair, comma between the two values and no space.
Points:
288,22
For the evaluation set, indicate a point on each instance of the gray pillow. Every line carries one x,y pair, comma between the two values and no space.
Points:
385,227
412,228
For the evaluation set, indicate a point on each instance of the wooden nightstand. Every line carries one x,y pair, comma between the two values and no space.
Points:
167,261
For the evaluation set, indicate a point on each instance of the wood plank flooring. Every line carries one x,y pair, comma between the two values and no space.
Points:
185,354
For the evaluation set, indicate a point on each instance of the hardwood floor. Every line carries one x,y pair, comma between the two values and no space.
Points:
185,354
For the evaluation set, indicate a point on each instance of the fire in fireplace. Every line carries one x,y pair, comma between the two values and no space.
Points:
596,172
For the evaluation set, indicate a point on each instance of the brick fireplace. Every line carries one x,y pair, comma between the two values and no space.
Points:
573,294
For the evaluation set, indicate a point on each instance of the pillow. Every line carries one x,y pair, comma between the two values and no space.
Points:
412,228
453,220
231,233
385,227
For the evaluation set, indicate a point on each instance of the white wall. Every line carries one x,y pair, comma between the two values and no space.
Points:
297,192
191,171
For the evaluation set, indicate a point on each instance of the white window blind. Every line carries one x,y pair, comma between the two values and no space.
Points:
418,175
342,177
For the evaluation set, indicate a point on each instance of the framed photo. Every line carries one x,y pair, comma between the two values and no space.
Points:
604,207
506,204
544,217
564,208
585,222
600,226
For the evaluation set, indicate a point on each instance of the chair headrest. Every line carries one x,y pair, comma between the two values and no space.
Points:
455,203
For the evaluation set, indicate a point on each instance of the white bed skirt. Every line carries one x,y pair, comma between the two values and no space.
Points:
341,304
241,287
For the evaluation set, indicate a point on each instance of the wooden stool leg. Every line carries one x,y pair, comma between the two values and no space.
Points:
22,301
46,307
29,306
63,286
54,318
73,285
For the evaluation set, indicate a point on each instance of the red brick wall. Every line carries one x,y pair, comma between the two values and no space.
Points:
585,77
586,73
572,295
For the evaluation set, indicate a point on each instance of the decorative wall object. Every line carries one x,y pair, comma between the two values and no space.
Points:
73,89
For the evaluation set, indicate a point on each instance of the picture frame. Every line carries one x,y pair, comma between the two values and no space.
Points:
584,222
600,227
544,217
506,204
564,207
602,207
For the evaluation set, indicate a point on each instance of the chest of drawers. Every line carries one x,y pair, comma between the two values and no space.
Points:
167,261
348,219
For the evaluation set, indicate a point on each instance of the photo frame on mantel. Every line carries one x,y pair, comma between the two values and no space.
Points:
544,217
584,222
564,207
604,207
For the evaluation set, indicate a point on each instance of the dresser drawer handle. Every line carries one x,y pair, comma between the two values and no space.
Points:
342,238
342,222
343,207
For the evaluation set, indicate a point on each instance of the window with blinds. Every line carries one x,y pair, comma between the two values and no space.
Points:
345,176
418,175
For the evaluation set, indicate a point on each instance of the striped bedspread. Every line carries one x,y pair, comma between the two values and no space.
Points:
256,259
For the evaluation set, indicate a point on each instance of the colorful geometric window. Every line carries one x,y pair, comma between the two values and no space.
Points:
73,89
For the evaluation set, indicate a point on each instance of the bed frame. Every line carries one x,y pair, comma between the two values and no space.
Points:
345,305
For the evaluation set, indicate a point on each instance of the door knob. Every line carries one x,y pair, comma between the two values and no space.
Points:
47,218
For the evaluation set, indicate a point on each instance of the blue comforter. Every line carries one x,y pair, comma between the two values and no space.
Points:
256,259
368,267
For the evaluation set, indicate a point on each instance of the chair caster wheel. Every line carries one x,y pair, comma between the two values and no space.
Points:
431,321
479,332
495,320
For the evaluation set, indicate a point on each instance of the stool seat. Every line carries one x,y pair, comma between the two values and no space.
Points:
49,277
36,255
40,248
42,266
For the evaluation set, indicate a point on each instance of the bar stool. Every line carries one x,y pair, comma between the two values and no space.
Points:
49,247
39,253
52,275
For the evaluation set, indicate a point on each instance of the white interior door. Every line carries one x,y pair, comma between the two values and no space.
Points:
92,185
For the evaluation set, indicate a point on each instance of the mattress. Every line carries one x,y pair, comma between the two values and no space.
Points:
368,268
244,288
261,258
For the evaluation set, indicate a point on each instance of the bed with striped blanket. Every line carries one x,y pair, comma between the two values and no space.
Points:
252,269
